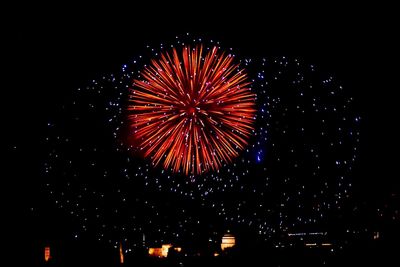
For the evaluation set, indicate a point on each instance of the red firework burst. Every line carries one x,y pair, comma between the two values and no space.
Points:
192,111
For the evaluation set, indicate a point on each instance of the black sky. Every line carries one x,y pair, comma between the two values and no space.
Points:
52,52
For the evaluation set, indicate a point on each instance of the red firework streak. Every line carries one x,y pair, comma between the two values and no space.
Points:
193,110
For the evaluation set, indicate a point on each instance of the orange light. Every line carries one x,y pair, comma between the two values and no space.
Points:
311,244
121,254
151,251
228,241
216,254
164,249
155,252
178,249
46,254
162,252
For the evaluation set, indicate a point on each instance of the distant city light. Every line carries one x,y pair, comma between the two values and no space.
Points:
47,254
228,241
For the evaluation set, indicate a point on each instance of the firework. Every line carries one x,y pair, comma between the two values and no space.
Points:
192,110
294,173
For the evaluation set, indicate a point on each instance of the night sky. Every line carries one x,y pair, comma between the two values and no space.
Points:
322,156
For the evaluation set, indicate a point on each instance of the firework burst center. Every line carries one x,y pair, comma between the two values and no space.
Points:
192,109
